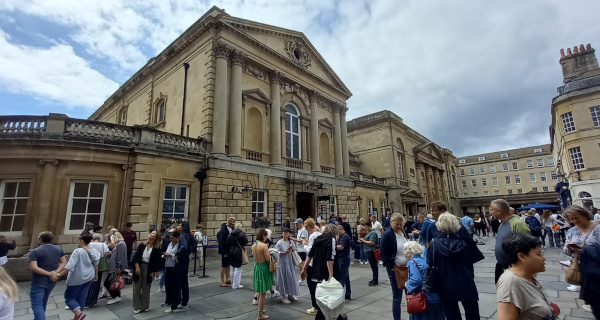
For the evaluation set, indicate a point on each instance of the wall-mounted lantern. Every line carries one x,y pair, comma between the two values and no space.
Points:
246,191
357,198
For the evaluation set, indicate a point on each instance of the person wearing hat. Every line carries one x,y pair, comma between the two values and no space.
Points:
87,230
97,229
302,234
130,237
222,236
287,280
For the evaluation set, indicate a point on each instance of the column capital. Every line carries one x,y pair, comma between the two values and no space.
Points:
275,77
237,57
221,49
52,162
313,96
343,109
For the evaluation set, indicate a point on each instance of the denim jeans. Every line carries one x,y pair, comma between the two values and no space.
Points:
344,263
75,296
39,293
396,294
161,281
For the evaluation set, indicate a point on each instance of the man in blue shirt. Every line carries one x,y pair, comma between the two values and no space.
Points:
44,262
468,222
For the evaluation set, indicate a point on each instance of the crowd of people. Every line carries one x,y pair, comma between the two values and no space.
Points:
428,257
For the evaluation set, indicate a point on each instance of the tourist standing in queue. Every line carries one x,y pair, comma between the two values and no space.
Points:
103,251
500,209
199,239
82,269
262,278
362,230
172,283
417,267
88,229
44,262
9,294
108,234
392,256
147,263
236,242
222,235
519,294
287,281
453,254
534,226
117,264
302,234
312,286
182,263
130,238
343,256
4,248
166,240
370,243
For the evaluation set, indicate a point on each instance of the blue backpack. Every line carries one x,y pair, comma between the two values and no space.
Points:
533,223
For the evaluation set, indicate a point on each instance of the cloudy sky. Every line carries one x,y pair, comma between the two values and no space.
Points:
473,76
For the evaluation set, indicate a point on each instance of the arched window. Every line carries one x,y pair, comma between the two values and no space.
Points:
584,195
123,116
161,112
292,132
586,199
401,159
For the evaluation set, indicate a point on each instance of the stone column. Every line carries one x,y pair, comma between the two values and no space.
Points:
235,105
442,184
337,142
345,156
428,183
275,123
419,181
313,96
220,109
436,178
43,212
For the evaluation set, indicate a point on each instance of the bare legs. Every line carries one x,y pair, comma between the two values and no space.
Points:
261,306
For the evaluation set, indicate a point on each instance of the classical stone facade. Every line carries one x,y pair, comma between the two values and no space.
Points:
575,129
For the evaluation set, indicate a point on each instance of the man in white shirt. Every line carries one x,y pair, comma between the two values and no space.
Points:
596,215
376,226
302,235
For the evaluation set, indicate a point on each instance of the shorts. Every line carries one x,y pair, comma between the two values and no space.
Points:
224,261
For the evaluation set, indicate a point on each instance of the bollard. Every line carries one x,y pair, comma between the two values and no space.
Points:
203,263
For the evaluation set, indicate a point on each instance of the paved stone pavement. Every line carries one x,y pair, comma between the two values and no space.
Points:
209,301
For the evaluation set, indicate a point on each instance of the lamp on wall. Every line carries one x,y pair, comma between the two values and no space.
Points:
356,198
246,191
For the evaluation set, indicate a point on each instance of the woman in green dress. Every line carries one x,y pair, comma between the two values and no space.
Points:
263,279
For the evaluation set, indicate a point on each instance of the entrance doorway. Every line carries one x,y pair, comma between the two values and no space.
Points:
305,205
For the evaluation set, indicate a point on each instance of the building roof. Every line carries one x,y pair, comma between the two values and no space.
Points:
512,154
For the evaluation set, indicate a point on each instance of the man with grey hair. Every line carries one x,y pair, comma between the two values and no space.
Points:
501,210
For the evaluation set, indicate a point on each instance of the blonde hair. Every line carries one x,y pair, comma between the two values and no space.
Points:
362,221
323,223
310,223
116,238
238,225
8,285
447,223
397,215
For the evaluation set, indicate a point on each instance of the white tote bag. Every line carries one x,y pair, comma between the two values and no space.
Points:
330,296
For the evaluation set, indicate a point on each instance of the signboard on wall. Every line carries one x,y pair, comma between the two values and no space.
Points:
277,206
324,211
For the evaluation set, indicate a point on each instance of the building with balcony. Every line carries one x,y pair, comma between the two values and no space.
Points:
575,128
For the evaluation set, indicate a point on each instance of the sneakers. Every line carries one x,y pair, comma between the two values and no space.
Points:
275,294
238,287
312,311
255,301
292,298
381,262
285,300
66,307
574,288
175,310
161,289
136,311
565,263
81,316
586,307
113,300
301,282
164,304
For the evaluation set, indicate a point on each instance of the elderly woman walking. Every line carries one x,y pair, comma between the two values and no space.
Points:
394,260
116,264
417,267
147,262
236,242
453,254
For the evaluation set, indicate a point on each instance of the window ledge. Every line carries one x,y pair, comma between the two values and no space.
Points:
159,124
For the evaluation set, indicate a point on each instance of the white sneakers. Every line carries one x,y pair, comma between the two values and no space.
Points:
565,263
255,301
292,298
301,282
312,311
586,307
285,300
114,300
275,294
161,289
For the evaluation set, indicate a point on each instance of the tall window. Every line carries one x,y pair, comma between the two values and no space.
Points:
259,203
553,176
551,162
13,206
87,200
529,163
474,183
332,205
464,184
495,181
505,167
496,192
542,176
162,112
567,119
370,206
507,179
482,170
492,169
400,166
484,182
123,117
292,132
175,201
540,162
532,177
382,207
577,158
518,179
595,115
462,172
515,166
472,171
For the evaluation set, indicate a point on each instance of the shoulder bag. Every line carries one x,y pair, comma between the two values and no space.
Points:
296,257
416,303
572,274
431,281
401,274
273,265
103,263
244,254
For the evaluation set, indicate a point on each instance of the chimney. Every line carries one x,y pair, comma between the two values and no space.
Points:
577,62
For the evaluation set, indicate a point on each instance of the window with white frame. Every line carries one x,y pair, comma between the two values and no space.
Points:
540,162
543,176
551,162
567,119
462,172
464,184
507,179
461,161
505,166
382,207
484,182
474,183
292,132
87,200
510,191
545,189
370,206
481,158
519,191
175,201
518,179
504,155
13,206
400,165
532,177
515,166
486,193
494,181
537,150
332,205
475,194
529,163
595,115
577,158
259,204
553,176
534,189
496,192
465,194
492,169
472,171
482,170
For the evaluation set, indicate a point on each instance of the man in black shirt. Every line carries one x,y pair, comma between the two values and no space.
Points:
343,255
346,226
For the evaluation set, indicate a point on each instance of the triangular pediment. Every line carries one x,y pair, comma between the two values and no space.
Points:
257,95
325,123
411,193
429,149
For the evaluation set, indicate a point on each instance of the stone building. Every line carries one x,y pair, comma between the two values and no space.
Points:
416,170
575,129
521,176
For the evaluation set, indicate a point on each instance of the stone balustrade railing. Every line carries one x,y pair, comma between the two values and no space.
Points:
95,131
367,178
326,169
22,124
293,163
254,156
177,142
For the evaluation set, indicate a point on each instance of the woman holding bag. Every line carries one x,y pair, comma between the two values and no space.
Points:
102,249
147,262
236,242
394,260
414,285
116,264
287,282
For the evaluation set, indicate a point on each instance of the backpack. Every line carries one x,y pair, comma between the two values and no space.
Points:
533,223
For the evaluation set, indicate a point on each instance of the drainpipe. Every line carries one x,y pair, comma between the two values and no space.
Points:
186,66
200,175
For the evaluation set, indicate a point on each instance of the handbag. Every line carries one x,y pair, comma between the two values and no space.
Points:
296,257
117,282
377,254
416,303
244,254
273,265
103,264
401,274
572,274
431,281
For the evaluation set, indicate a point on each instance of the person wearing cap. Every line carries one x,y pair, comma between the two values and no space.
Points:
87,230
222,236
130,237
97,229
287,281
302,234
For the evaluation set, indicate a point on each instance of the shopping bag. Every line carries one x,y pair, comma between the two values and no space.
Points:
296,258
330,296
117,282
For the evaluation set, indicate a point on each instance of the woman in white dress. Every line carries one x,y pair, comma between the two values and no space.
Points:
287,282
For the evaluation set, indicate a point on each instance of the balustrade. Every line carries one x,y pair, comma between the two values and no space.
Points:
76,129
254,156
22,124
294,163
326,169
